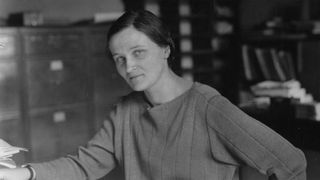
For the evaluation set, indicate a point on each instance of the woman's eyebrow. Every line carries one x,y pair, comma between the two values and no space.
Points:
136,46
114,54
131,48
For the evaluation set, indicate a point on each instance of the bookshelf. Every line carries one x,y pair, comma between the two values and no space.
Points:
267,63
302,49
291,26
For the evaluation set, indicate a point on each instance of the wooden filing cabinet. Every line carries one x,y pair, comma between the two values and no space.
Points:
53,81
56,91
57,85
9,74
9,83
11,124
58,131
53,41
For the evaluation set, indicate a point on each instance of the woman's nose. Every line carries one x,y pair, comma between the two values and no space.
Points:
131,65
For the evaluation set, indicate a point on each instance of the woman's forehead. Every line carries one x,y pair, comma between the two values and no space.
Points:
128,38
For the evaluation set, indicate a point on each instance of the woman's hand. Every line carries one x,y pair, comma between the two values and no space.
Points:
14,174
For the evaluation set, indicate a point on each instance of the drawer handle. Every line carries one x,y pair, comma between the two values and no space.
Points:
185,45
59,117
56,65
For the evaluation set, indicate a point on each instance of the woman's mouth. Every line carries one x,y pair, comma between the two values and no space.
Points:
135,77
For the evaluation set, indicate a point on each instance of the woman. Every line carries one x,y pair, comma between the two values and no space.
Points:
169,128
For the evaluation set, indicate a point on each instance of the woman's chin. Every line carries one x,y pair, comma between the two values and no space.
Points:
137,87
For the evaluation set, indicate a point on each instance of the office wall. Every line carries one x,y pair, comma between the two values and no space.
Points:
61,10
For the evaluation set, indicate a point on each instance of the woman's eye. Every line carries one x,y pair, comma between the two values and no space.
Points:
139,53
119,60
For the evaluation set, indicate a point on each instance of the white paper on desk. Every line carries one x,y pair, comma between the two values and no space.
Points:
6,152
7,163
6,149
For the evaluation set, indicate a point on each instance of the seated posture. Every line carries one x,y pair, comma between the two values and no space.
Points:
168,127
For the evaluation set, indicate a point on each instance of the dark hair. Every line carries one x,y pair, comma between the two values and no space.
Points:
147,23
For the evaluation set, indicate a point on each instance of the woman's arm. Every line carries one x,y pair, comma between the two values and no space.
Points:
240,139
91,162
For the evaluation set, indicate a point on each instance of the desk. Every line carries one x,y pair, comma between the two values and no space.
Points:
303,133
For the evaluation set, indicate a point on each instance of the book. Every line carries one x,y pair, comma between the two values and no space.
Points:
263,64
266,63
251,68
287,64
248,69
276,84
278,68
288,89
281,92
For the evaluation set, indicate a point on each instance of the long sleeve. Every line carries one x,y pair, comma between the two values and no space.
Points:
236,138
91,162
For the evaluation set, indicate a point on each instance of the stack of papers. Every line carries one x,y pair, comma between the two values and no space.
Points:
6,152
287,89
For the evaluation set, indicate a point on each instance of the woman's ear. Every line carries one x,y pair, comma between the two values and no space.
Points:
167,52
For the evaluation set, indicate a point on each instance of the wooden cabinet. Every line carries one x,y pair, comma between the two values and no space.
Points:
57,85
11,124
58,132
9,76
54,41
55,81
9,88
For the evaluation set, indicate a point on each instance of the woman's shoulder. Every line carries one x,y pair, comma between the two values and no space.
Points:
131,98
205,91
209,96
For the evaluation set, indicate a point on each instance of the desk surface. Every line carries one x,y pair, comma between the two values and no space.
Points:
303,133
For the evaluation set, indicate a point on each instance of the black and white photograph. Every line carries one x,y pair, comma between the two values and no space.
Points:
159,90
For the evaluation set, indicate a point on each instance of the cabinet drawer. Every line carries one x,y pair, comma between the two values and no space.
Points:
9,89
8,45
57,81
52,42
58,132
98,40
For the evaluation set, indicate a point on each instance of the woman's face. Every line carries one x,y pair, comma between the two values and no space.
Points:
139,60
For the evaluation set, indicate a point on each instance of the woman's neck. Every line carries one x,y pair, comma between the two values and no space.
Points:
168,89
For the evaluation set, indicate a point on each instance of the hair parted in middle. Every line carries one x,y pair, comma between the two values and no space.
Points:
147,23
